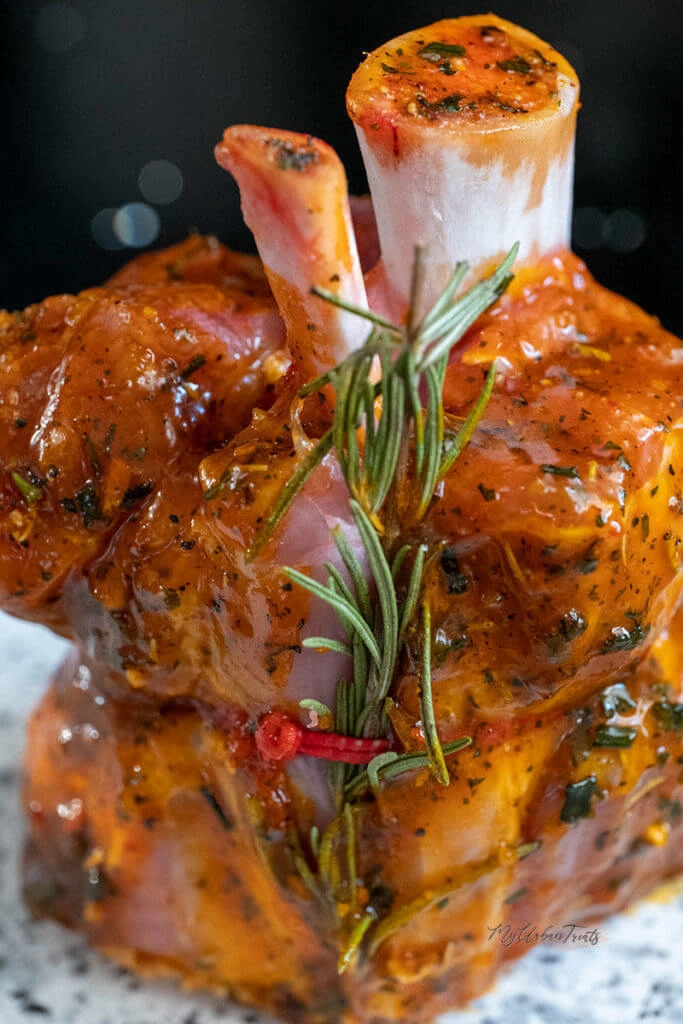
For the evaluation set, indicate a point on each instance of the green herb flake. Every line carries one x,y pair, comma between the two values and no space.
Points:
571,625
109,438
623,639
387,68
577,801
668,716
486,493
171,598
28,490
516,64
456,581
215,806
526,849
291,158
517,895
568,471
194,364
616,700
435,51
135,494
93,455
88,504
136,454
617,736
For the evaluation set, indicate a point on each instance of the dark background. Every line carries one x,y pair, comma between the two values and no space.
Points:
92,91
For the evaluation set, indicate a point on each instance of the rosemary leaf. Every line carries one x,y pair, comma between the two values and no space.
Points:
433,744
29,491
320,709
393,415
289,492
323,643
367,314
355,571
433,439
352,945
464,435
348,613
410,603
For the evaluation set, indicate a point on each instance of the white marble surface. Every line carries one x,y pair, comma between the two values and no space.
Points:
635,973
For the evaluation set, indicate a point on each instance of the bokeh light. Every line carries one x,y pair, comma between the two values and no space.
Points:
136,225
102,230
588,229
625,231
161,182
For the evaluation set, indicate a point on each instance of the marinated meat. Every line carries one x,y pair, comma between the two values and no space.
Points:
225,781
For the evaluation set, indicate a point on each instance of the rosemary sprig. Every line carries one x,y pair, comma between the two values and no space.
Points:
393,453
392,475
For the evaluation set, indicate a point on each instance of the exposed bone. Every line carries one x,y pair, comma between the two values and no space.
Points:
466,152
295,201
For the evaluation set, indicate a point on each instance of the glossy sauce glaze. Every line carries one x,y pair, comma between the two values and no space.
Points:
156,824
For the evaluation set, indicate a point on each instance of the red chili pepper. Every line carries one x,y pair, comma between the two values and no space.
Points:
280,738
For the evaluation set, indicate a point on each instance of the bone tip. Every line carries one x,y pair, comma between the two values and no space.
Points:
278,149
468,75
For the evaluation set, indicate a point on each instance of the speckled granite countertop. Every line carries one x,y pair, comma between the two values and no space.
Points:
634,973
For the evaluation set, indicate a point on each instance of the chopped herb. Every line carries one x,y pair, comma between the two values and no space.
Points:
171,598
135,494
569,471
93,455
194,364
588,564
88,504
29,491
571,625
20,423
435,52
455,579
616,700
290,158
213,803
109,438
577,801
69,505
136,454
645,526
623,639
614,736
451,104
516,63
389,70
668,716
517,895
526,849
486,492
